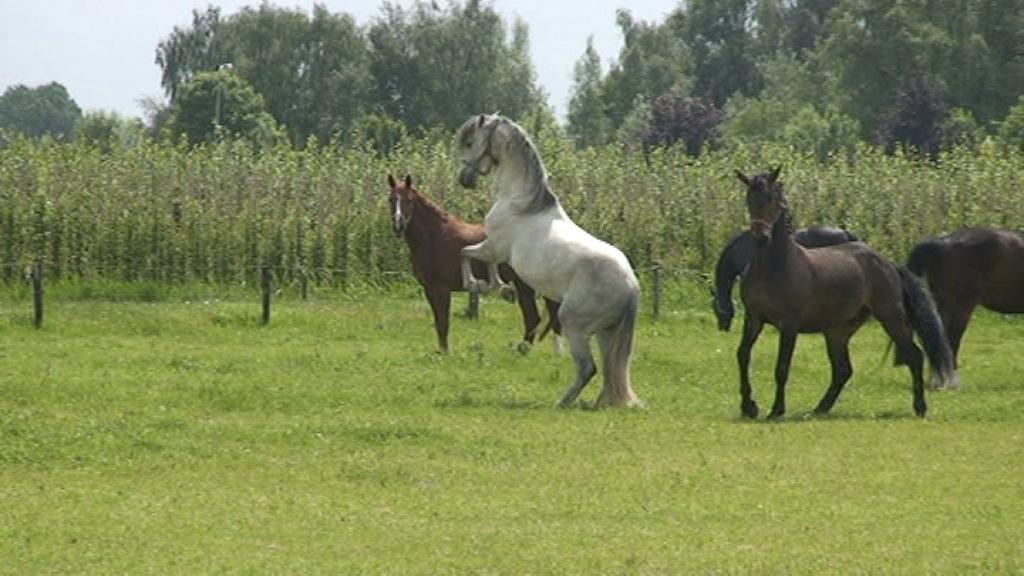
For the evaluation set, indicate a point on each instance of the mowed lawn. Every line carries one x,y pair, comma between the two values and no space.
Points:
182,437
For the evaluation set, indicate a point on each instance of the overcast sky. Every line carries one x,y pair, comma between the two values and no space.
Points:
103,51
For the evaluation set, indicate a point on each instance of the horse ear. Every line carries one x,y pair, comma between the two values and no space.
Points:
743,178
775,172
391,180
408,181
481,121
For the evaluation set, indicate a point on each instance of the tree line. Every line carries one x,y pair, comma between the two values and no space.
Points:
821,76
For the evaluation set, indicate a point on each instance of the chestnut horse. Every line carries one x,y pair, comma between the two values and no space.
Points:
970,267
435,240
831,290
740,251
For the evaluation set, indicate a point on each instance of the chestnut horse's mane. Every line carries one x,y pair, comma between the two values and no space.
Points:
418,197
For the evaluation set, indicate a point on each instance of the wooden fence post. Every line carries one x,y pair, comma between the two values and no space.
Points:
304,283
37,292
656,289
265,285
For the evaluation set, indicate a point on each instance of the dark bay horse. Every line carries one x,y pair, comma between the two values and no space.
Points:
435,239
831,290
970,267
740,251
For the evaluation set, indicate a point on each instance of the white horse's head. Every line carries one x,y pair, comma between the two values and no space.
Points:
475,148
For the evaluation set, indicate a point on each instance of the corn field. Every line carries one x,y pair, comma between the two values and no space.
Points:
217,214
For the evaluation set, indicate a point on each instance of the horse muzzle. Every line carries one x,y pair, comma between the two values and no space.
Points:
398,225
761,231
468,176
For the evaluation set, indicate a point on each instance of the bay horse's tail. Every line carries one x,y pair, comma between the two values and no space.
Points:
923,255
925,321
617,349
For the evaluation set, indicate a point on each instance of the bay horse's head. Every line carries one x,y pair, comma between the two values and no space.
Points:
766,202
400,201
474,147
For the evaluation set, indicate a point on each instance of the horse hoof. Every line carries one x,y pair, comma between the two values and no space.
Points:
523,347
776,414
749,409
921,410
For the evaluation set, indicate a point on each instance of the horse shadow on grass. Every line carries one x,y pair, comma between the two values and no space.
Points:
811,416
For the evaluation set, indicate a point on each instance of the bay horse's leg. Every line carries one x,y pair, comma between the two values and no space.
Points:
955,321
751,330
440,303
579,347
898,328
838,345
787,343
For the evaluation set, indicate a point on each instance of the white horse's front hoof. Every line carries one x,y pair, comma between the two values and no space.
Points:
508,292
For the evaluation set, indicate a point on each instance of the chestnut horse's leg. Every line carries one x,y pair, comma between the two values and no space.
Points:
838,343
751,330
787,343
531,316
440,303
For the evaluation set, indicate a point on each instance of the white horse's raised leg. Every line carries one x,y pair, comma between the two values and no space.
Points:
478,252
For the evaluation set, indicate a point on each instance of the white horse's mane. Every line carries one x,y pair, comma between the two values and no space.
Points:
518,142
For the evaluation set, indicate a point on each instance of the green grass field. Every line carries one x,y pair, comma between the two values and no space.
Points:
180,436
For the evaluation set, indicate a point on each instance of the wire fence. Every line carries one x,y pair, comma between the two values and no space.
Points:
654,276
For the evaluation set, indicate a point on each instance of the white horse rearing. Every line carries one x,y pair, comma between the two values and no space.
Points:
528,228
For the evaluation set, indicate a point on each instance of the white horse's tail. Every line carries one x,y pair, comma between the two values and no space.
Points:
616,350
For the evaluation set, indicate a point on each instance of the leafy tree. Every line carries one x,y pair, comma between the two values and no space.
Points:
915,117
312,71
821,134
805,26
633,129
970,51
679,117
43,110
652,60
960,130
722,48
432,65
752,121
588,124
222,102
109,131
189,51
380,132
1011,129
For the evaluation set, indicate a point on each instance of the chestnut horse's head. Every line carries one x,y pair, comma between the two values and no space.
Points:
766,202
400,202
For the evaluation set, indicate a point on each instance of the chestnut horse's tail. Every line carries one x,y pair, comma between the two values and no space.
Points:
925,321
923,256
